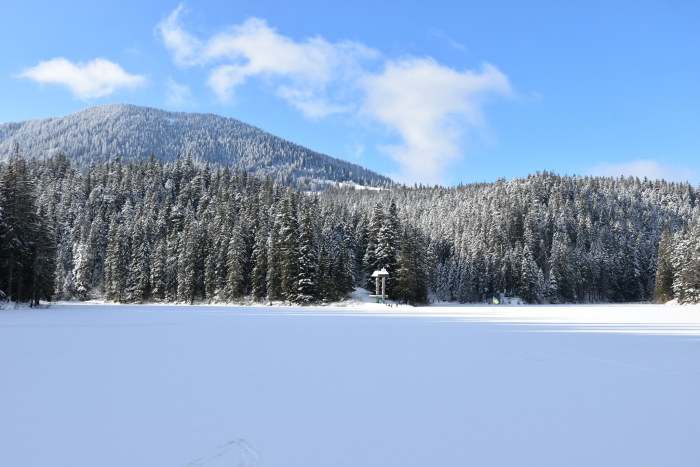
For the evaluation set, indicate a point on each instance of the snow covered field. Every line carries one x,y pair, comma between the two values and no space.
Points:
85,385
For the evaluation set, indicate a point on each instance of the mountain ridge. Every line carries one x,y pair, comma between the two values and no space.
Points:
133,132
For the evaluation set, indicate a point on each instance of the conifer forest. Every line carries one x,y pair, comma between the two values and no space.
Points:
177,231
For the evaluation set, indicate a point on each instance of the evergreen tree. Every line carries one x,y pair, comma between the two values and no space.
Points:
61,279
236,261
19,227
406,283
370,260
664,272
529,275
691,270
188,273
116,262
43,265
83,260
172,265
139,284
274,260
259,259
289,254
308,261
346,260
385,252
158,271
685,261
326,290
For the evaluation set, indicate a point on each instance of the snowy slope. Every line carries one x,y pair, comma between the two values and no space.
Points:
95,385
133,132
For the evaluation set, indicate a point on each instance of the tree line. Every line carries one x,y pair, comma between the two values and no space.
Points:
26,240
549,238
678,272
152,231
149,231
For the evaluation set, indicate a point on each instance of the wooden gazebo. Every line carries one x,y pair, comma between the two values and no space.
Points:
383,274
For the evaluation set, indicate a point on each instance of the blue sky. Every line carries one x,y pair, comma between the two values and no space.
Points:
436,92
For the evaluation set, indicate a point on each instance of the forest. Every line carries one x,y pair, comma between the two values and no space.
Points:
178,231
131,133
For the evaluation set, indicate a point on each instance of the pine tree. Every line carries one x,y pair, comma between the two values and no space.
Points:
685,261
189,273
209,253
172,265
692,266
664,271
19,226
97,244
210,288
406,283
385,252
259,260
139,284
61,279
274,260
529,274
289,265
326,289
158,271
115,263
559,274
308,261
43,256
371,261
236,261
83,258
346,260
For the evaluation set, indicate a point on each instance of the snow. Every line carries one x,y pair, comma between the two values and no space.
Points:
362,384
359,187
349,184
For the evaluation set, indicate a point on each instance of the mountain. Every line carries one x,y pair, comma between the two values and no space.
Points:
133,132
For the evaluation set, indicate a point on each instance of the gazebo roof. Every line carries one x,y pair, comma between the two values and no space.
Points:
382,273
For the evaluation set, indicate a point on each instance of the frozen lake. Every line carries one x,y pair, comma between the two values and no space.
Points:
174,386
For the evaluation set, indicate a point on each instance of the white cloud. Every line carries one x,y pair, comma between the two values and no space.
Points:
178,94
431,106
89,80
135,51
183,45
646,168
441,35
355,149
305,68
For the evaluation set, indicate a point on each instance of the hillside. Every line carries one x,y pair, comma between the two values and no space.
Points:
132,132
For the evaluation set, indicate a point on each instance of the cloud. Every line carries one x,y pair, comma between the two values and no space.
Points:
178,94
355,149
135,51
645,168
96,78
431,106
441,35
428,105
303,70
184,47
